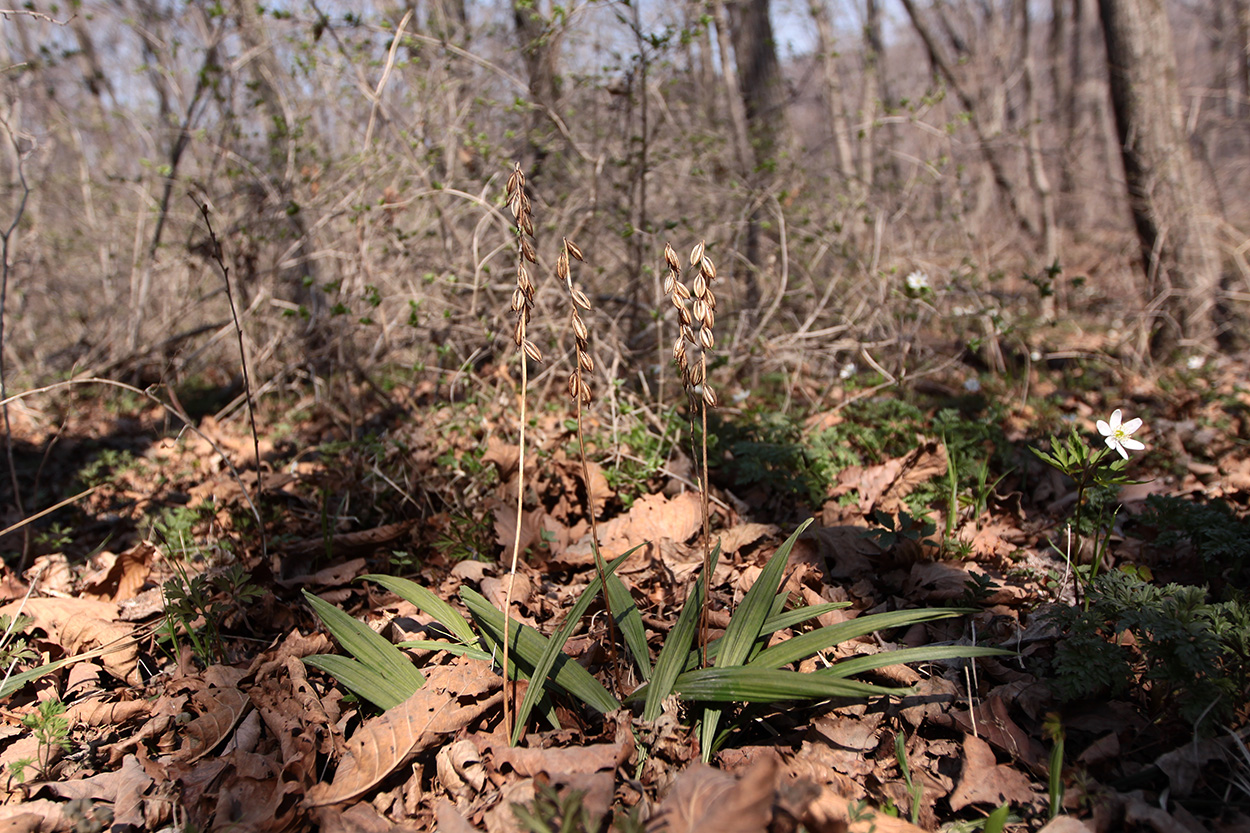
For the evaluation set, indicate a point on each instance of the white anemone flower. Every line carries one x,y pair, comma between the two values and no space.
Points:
1117,433
917,281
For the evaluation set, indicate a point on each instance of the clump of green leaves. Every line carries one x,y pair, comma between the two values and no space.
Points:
197,605
1098,475
13,646
1215,534
1195,655
51,729
550,812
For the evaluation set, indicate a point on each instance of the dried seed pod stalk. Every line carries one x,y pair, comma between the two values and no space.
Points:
696,314
579,392
523,306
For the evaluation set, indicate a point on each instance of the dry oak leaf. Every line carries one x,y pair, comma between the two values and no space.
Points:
81,625
558,760
884,486
386,742
985,781
125,576
506,523
706,799
652,518
220,710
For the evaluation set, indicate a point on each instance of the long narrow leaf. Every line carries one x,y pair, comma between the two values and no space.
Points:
554,648
454,648
367,646
806,644
740,684
928,653
786,619
629,620
672,659
424,599
366,683
745,626
528,645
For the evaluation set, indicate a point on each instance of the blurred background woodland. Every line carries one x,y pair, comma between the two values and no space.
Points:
354,155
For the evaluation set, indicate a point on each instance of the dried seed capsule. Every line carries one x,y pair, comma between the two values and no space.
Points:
532,351
669,280
518,332
710,297
700,285
562,266
696,254
709,398
707,269
518,299
687,333
680,291
700,308
580,299
679,349
709,319
683,315
696,374
527,250
586,395
587,363
572,249
573,385
579,328
670,257
706,339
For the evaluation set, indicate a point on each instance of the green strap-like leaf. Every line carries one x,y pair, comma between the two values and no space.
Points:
369,647
527,647
745,627
366,683
928,653
424,599
806,644
740,684
672,659
554,648
629,620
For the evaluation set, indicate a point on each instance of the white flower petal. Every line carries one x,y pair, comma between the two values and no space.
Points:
1129,442
1116,416
1131,426
1114,443
1104,428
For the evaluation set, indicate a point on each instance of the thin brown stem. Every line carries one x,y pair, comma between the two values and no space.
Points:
705,486
516,548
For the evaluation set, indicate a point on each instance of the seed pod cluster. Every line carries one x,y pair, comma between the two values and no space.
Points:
696,315
579,389
523,295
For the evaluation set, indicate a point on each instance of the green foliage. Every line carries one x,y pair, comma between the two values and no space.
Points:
51,729
1218,537
1195,655
197,605
101,467
13,646
643,455
905,528
551,812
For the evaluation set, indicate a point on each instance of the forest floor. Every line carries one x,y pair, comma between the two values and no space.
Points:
1122,704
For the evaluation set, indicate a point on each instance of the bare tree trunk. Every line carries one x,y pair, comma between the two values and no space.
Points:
835,96
729,77
1037,168
540,49
763,97
976,118
1243,52
876,96
1169,209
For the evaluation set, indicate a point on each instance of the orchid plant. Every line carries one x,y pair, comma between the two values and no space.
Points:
1093,468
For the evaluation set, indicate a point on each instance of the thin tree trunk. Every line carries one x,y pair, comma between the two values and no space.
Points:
1170,213
1037,167
835,96
540,44
989,150
733,96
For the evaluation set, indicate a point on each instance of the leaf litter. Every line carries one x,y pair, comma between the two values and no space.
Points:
256,740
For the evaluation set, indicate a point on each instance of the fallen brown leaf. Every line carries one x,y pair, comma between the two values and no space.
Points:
386,742
985,781
706,799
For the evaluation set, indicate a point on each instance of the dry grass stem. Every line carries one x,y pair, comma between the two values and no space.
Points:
523,306
579,391
696,313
